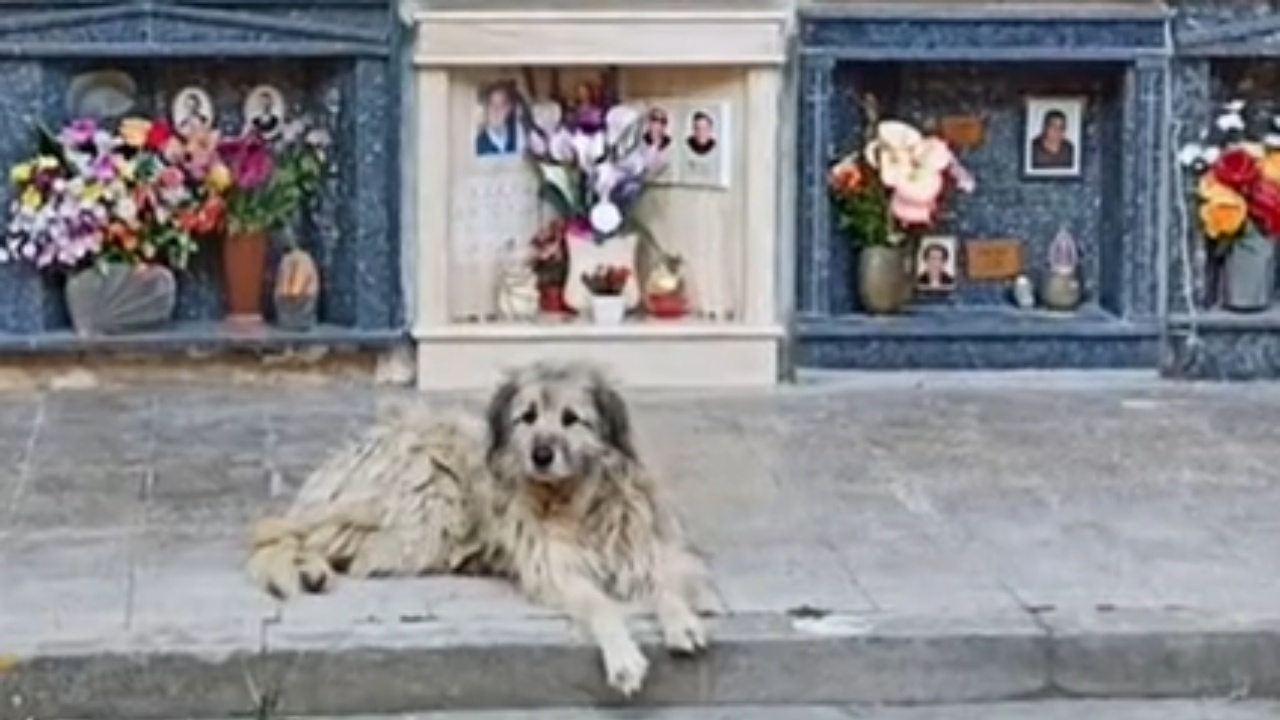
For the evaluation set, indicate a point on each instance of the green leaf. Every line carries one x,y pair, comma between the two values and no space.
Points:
561,181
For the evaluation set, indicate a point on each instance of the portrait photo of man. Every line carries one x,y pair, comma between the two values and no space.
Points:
936,265
499,129
265,111
1053,142
702,134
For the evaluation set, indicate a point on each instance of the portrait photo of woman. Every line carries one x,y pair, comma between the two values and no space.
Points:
936,264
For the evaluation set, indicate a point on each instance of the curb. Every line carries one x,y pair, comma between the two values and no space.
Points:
538,663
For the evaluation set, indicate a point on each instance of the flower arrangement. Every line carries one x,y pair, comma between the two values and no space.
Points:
1238,178
91,196
892,187
606,281
270,179
592,161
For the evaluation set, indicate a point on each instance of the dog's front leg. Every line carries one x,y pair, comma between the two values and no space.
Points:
675,587
625,665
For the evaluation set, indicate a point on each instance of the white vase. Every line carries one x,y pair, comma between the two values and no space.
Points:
608,309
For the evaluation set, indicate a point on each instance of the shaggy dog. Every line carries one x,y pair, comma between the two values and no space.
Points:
553,497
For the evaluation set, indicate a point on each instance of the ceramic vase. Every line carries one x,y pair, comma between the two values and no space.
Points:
608,309
244,260
1250,273
881,279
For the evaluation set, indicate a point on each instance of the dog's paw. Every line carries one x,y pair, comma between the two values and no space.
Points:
684,635
625,669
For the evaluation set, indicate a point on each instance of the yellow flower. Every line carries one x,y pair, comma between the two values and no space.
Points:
219,177
133,131
20,173
46,162
31,198
124,168
91,193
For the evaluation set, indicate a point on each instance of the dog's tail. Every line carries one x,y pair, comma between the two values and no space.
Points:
295,554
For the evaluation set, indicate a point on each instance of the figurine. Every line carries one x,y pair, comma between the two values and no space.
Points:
517,285
664,289
1061,289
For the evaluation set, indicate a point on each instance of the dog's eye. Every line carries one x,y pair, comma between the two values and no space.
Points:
569,417
529,417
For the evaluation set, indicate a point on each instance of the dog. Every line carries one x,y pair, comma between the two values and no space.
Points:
553,497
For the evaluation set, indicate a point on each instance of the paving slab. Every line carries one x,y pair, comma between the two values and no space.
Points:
938,542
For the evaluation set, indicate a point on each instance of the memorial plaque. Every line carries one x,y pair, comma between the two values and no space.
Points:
993,259
961,131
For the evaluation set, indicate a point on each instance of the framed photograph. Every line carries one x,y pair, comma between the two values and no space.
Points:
936,264
702,140
1053,137
500,125
264,110
192,110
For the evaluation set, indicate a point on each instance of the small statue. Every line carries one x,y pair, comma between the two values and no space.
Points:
664,289
517,284
1061,289
1024,296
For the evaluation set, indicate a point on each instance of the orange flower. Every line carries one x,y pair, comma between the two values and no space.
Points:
1271,166
845,175
1223,215
120,234
133,131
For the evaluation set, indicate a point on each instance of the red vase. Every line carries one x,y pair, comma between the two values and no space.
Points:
669,306
551,299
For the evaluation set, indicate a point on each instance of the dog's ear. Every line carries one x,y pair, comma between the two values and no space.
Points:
498,415
615,420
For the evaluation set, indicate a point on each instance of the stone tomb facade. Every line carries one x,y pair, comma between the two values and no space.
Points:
990,63
331,61
1226,50
485,70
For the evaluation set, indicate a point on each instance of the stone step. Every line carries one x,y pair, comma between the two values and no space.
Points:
535,662
1040,710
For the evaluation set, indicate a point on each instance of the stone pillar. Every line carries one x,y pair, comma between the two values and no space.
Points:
813,239
26,301
1193,110
372,244
1148,167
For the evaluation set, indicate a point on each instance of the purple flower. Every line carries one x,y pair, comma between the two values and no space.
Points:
249,159
79,131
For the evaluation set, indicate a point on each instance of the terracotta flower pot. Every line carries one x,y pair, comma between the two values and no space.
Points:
244,264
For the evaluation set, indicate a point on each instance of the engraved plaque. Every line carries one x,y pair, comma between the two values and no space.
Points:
993,259
961,131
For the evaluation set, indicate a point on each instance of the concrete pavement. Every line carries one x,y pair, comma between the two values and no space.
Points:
935,542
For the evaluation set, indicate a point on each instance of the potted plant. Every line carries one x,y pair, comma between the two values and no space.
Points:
113,211
1237,193
270,181
594,167
605,284
885,195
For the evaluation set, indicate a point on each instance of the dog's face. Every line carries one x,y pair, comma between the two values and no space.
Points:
558,423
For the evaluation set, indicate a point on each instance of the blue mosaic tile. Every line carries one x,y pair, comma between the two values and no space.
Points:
344,60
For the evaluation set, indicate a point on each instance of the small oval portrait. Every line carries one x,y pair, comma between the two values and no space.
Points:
264,110
192,110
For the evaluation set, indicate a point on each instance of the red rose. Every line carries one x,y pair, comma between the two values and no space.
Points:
159,134
1237,169
1264,208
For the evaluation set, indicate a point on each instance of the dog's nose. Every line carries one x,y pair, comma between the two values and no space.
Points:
542,456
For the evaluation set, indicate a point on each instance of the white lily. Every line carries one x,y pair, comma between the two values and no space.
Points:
589,148
547,116
618,121
608,175
561,147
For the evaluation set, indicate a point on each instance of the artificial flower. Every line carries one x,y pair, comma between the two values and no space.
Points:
81,131
21,173
134,132
249,159
31,198
561,146
845,176
536,144
218,178
1271,166
1237,168
1190,154
47,162
1224,215
159,133
1264,207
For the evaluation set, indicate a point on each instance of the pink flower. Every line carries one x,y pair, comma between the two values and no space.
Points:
170,177
249,159
79,131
